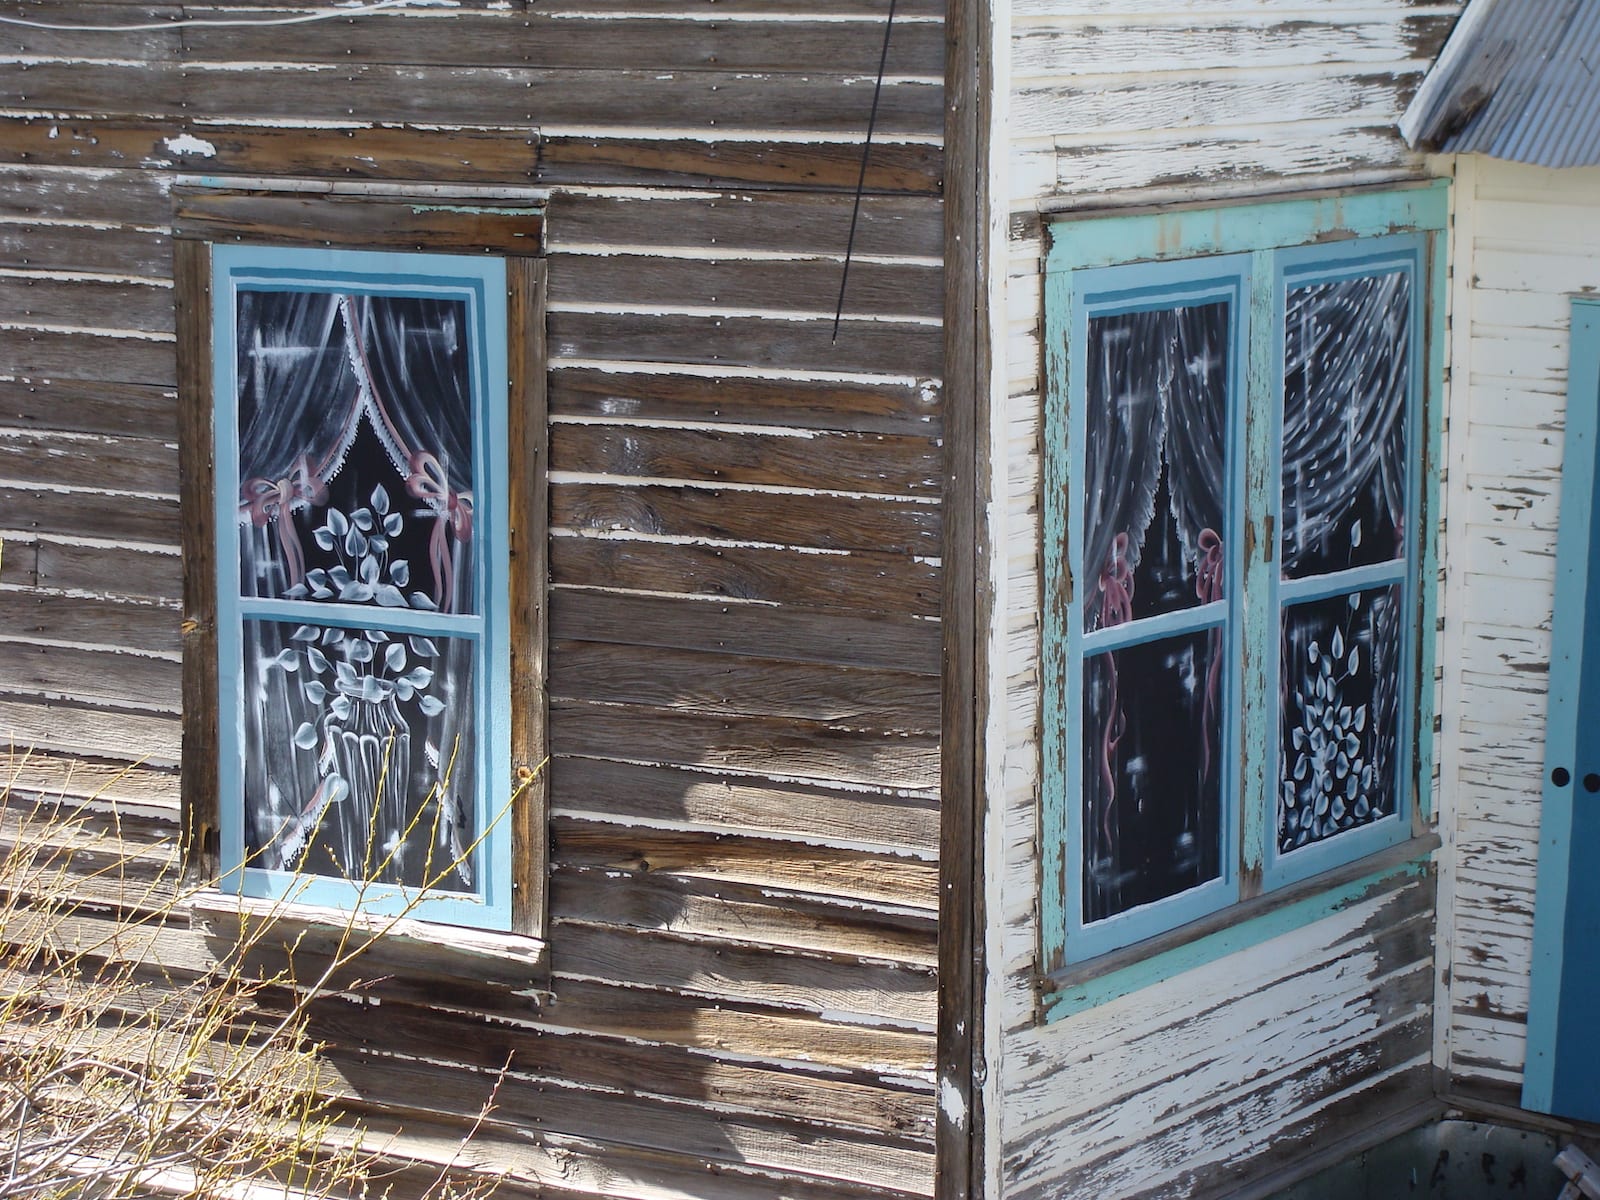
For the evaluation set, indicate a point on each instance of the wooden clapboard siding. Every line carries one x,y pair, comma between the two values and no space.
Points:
1525,239
746,542
1328,1033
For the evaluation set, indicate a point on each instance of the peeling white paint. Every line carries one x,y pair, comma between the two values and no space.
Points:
187,143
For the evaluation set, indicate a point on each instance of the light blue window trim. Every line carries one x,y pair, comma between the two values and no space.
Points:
481,284
1098,265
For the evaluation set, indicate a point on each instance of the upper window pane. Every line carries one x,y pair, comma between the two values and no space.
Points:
1346,377
1156,465
355,449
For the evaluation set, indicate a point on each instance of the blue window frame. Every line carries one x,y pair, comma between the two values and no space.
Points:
362,548
1238,528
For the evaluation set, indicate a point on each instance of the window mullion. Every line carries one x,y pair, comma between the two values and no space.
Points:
1258,598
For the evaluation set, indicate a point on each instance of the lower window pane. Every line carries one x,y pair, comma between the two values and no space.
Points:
359,751
1340,687
1152,743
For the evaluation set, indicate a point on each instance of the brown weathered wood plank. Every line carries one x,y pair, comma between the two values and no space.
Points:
87,354
89,406
530,610
806,982
798,224
96,732
755,915
789,344
85,619
57,247
201,696
741,685
556,40
859,581
827,636
101,675
912,409
86,303
89,514
110,570
806,285
785,748
129,464
370,222
745,804
822,870
517,154
875,524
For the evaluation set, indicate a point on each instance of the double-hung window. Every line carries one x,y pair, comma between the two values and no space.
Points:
361,405
1241,403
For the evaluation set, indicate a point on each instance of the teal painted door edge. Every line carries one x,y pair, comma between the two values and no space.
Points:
1554,972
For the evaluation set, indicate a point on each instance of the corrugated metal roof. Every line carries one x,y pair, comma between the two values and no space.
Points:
1518,79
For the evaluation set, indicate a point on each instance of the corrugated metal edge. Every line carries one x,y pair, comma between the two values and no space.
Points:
1519,81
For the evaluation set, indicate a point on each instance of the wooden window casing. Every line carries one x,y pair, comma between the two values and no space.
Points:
1188,660
207,218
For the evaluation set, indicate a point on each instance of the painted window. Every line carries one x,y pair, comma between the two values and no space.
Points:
362,566
1235,539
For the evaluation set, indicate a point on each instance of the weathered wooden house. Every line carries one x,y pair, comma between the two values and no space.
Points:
883,582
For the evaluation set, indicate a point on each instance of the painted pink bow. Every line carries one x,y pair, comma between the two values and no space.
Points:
1208,576
1116,608
272,500
428,483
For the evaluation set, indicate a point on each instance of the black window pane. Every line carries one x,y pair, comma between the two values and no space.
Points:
355,449
1346,379
358,753
1156,467
1340,683
1152,739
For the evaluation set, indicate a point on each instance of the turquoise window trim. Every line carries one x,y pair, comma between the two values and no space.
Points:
482,283
1090,268
1573,600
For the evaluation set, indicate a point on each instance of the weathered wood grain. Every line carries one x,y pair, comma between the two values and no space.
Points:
89,513
750,914
87,354
860,581
766,1034
887,464
37,299
88,406
151,684
804,982
744,804
794,224
742,685
518,154
88,620
355,222
712,101
897,407
799,284
784,748
781,343
564,40
123,464
529,518
80,729
874,524
824,871
109,570
62,247
829,636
